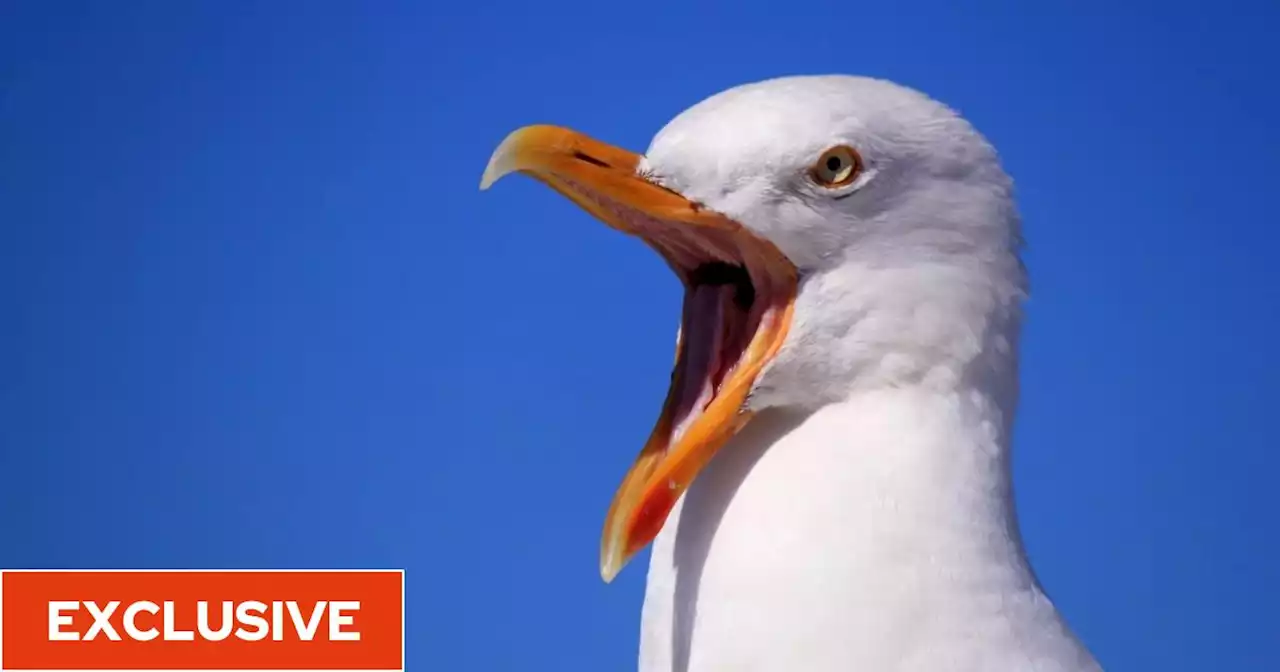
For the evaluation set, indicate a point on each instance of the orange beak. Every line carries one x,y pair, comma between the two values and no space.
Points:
739,296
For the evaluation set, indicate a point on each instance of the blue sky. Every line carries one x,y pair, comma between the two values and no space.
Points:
258,314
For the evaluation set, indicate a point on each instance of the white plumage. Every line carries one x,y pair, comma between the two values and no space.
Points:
864,520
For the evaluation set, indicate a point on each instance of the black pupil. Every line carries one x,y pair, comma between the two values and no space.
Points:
833,163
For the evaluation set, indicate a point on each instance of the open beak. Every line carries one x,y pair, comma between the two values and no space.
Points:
739,295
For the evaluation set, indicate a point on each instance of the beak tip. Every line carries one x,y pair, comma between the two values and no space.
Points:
495,171
608,571
611,562
507,158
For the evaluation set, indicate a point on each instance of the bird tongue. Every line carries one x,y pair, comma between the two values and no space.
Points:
710,344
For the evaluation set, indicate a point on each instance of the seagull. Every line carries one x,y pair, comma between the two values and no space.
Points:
828,484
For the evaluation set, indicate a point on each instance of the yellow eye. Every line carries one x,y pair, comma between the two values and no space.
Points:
837,167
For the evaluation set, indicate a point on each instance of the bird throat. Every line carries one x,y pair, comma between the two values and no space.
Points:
857,533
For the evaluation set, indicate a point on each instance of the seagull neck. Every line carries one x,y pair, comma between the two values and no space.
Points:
911,477
868,530
928,475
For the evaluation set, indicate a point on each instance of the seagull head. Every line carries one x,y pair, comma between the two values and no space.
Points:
833,233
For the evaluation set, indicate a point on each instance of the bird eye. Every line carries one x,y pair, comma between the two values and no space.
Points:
837,167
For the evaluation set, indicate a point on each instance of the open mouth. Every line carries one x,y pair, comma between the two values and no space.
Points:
739,295
716,326
729,329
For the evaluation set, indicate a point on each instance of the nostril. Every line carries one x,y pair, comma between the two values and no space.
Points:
590,159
